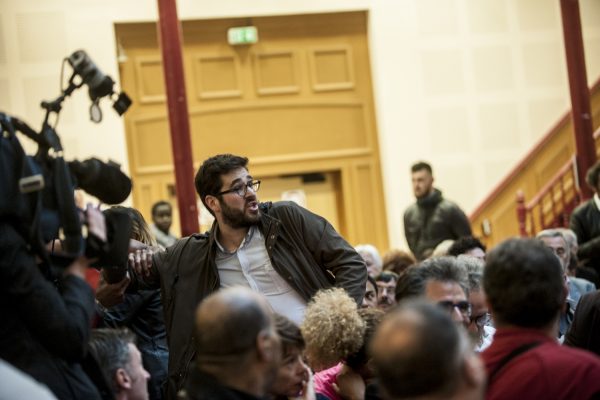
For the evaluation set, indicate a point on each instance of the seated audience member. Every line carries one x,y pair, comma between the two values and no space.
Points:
575,269
397,261
142,312
238,350
348,379
419,353
554,240
480,328
386,289
585,222
370,254
525,288
332,328
294,378
468,245
585,329
371,292
162,218
120,362
441,280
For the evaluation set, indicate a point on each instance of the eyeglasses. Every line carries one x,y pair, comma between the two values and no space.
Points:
242,188
482,320
463,306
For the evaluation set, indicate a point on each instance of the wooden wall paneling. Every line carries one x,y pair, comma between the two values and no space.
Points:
331,68
276,72
216,76
149,78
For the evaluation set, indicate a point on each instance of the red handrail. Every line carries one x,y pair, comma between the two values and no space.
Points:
560,205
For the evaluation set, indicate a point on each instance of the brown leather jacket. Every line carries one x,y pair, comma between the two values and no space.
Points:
304,249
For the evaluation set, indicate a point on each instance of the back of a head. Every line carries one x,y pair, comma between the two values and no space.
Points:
110,349
227,325
140,230
592,176
464,244
523,281
332,328
397,261
372,317
418,351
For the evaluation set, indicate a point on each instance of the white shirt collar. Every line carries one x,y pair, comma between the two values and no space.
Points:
597,201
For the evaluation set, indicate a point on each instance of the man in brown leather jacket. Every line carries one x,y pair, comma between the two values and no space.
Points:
279,249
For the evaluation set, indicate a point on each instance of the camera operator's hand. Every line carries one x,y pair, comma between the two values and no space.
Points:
96,222
111,294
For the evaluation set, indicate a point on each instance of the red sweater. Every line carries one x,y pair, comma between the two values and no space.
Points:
548,371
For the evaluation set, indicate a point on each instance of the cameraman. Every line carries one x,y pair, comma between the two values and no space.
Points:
45,327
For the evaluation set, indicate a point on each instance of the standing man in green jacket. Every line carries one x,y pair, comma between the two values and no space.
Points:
279,249
432,219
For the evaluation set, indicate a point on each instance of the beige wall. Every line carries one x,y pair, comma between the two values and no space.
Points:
470,85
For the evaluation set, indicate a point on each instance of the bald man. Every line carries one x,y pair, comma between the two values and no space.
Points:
416,336
237,347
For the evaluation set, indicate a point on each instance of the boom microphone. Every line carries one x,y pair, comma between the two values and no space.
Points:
105,181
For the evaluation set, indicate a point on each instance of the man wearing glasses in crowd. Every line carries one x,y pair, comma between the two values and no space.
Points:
278,249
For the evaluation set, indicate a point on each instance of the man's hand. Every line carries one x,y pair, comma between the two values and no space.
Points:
140,258
111,294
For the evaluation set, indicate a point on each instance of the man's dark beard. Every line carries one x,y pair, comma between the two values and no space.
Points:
236,218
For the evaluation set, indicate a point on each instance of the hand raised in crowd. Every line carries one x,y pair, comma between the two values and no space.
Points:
111,294
308,387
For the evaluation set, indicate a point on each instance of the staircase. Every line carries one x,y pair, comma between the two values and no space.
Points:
546,176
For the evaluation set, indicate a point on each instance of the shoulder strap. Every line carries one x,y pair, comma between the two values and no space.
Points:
510,356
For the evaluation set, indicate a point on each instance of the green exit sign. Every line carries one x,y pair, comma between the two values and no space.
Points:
242,35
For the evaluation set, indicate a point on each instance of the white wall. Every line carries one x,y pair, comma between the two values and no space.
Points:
469,85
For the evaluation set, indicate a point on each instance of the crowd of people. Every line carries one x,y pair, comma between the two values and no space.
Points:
273,303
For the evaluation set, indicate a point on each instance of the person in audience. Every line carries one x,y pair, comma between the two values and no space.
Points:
238,350
554,240
332,328
575,268
419,353
585,222
442,281
162,218
468,245
397,261
279,249
294,377
432,219
370,254
585,329
349,378
141,311
480,326
525,288
371,294
386,288
120,362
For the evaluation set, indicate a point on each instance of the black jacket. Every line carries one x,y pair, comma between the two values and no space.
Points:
202,386
585,222
430,221
44,330
303,247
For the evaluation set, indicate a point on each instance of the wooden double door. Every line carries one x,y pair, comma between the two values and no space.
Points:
298,103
